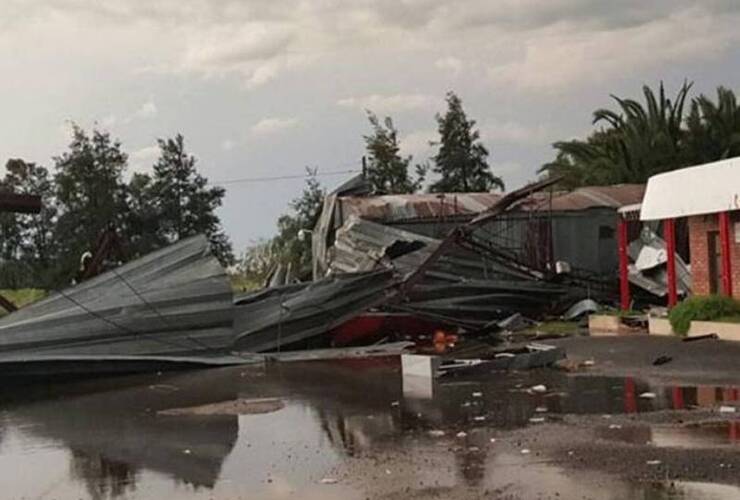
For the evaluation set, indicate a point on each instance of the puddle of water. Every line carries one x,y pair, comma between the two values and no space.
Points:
343,421
697,436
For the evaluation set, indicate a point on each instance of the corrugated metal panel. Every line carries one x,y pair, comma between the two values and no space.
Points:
417,206
397,208
174,302
277,318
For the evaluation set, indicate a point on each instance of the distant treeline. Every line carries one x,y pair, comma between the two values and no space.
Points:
86,192
628,145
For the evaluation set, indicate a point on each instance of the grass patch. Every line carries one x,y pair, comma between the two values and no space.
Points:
710,308
241,284
22,297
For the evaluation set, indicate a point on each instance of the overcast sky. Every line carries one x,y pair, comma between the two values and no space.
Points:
267,87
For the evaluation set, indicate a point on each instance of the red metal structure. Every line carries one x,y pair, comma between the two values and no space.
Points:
669,233
726,255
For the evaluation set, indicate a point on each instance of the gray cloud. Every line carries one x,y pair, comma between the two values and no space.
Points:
529,71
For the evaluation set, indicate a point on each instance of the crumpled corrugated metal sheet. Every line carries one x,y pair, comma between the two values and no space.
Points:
278,318
649,269
175,302
362,245
406,207
327,221
416,207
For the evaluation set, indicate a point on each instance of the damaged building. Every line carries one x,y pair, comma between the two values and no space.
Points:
546,232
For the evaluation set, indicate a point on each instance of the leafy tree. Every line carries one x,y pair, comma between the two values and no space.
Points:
27,242
713,129
142,221
637,142
185,204
90,192
388,171
257,263
290,248
462,160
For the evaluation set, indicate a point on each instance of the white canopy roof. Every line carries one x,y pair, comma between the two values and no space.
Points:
705,189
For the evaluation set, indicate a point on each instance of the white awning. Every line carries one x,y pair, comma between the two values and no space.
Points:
705,189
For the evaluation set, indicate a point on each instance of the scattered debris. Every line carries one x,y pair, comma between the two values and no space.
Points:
662,360
436,433
461,434
653,462
525,451
581,308
694,338
647,395
234,407
329,480
538,389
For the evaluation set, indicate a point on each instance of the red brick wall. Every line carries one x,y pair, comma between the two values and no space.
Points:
699,226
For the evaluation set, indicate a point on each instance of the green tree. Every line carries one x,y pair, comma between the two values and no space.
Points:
185,204
292,249
27,242
462,160
713,129
142,222
90,193
634,143
388,171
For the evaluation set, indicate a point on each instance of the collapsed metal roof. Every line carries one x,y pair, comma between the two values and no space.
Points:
175,303
409,207
276,318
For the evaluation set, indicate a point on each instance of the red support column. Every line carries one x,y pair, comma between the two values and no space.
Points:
669,231
726,254
624,282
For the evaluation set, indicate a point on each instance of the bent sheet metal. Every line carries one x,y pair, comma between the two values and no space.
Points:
171,306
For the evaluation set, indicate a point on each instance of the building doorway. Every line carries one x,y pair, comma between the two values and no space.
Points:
714,260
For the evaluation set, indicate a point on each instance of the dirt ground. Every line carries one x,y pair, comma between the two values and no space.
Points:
620,428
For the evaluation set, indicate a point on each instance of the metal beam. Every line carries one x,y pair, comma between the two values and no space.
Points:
19,203
669,227
726,252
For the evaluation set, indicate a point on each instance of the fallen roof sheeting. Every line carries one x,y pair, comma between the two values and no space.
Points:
173,303
389,209
277,318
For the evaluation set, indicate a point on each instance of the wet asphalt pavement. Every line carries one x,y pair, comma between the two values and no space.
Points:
358,429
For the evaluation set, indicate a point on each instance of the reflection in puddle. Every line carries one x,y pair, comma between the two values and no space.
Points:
344,421
702,435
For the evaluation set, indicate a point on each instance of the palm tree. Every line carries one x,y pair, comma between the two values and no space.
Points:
637,142
714,129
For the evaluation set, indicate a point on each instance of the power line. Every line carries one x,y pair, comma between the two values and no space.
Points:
285,177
